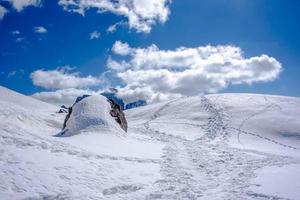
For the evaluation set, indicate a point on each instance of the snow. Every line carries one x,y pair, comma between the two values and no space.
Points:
91,114
282,181
115,145
261,122
222,146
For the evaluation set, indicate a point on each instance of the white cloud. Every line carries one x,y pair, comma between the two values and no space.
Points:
129,94
16,32
40,29
11,74
95,35
121,48
19,5
20,39
15,72
63,96
141,14
112,28
156,74
62,78
3,11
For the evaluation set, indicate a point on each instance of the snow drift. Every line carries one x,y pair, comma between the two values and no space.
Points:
91,114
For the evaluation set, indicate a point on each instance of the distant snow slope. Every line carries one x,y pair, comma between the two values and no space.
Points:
225,146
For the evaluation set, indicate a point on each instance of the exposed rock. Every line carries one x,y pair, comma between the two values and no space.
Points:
80,98
113,96
67,117
118,114
63,109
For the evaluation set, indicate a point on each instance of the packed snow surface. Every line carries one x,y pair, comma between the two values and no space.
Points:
223,146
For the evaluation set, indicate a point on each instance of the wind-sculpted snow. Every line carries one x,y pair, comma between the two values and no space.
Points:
221,146
91,114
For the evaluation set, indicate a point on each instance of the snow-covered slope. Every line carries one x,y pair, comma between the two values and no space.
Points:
225,146
228,146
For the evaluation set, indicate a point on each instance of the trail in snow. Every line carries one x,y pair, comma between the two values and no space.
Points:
265,109
207,168
186,148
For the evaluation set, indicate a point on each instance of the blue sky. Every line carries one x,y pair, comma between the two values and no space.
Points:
270,27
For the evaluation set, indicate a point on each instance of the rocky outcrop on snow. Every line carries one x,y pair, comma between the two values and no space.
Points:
113,96
94,113
80,98
118,114
63,109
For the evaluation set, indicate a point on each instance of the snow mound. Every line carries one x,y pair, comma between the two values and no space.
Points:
92,114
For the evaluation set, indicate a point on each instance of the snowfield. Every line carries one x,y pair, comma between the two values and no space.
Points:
222,146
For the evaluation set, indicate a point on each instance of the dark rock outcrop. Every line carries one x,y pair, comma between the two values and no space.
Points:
63,109
80,98
118,114
113,96
67,117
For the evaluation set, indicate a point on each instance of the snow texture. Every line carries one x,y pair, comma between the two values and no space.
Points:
91,114
223,146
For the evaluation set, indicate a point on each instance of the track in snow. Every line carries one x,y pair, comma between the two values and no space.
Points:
206,168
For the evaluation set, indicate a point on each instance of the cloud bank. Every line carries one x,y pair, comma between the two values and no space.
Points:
62,78
141,14
155,74
63,96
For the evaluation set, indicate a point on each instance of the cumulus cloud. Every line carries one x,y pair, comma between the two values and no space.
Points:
94,35
62,78
120,48
156,74
112,28
19,5
129,94
63,96
141,14
3,11
40,29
